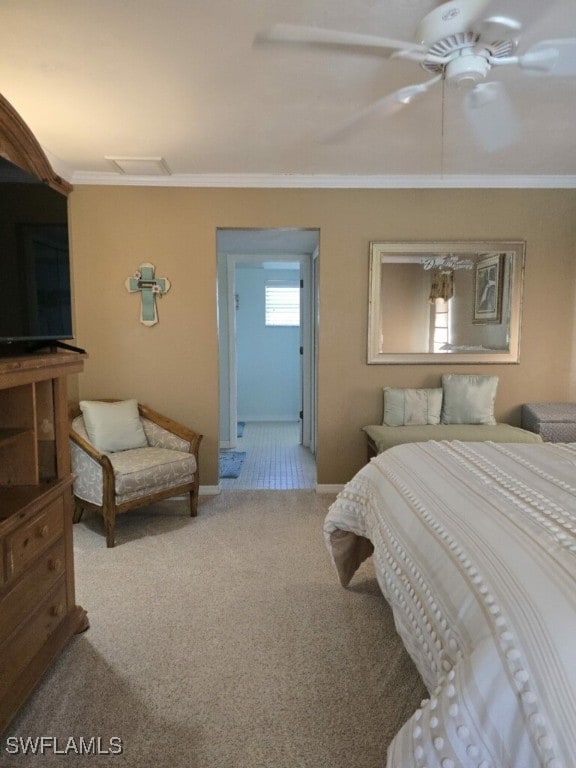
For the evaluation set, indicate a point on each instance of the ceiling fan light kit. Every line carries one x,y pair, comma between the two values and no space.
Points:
466,68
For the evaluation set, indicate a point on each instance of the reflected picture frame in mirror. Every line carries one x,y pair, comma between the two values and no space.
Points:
445,302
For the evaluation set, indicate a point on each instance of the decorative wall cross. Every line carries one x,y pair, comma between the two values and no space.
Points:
150,287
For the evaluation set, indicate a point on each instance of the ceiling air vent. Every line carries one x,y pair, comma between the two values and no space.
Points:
140,166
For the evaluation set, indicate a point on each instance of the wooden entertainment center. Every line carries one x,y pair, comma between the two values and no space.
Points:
38,611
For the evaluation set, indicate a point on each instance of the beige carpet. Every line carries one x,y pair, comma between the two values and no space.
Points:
223,641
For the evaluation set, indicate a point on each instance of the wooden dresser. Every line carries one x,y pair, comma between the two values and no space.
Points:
38,612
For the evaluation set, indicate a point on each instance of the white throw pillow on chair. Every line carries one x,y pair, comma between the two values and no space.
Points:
113,426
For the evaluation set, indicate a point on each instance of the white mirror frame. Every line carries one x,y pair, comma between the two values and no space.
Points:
381,252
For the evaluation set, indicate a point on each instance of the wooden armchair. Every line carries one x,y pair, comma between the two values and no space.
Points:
114,482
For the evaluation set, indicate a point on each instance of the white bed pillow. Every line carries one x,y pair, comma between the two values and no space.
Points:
411,406
113,426
468,399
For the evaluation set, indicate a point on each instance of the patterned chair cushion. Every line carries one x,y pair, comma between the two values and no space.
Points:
142,471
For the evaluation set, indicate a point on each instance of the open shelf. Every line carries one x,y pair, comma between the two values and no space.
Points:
9,435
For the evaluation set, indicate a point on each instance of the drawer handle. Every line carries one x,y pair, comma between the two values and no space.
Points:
55,564
57,610
44,531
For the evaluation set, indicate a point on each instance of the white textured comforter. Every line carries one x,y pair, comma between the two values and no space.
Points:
475,549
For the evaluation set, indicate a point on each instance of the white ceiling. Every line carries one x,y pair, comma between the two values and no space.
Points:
182,80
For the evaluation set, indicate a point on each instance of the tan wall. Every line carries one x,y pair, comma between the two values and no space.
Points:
174,366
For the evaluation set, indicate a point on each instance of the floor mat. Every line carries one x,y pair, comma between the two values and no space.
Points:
231,463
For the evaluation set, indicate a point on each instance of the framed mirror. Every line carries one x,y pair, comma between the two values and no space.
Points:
445,302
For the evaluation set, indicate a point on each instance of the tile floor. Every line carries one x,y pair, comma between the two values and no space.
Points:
274,458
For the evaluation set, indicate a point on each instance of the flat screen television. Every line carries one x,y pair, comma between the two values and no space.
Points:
35,301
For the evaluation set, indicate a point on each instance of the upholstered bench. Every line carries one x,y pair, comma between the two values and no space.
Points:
461,409
382,437
555,422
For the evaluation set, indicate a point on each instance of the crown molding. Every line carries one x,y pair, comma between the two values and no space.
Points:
325,181
59,166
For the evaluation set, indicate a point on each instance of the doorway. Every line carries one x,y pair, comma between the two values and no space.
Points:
267,351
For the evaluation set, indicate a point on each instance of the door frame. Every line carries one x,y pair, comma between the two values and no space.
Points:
307,341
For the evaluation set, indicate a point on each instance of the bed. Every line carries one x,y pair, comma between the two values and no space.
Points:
474,548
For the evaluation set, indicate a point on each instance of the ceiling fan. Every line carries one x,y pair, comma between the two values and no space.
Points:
459,46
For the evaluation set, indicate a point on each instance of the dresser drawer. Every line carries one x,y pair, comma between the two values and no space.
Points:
19,651
25,543
18,602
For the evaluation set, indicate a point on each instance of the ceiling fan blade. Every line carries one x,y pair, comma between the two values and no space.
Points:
497,28
490,116
388,105
551,57
471,10
293,34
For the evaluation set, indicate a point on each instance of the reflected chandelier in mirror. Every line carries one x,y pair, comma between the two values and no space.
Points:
445,302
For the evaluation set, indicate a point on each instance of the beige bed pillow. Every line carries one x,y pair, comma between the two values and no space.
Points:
113,426
468,399
411,406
